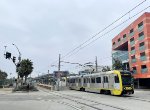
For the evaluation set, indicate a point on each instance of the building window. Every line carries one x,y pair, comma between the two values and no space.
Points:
141,46
114,43
141,36
142,56
134,70
144,69
119,40
131,32
124,36
140,26
132,41
133,59
132,50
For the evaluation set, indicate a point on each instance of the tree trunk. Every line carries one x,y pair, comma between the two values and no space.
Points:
21,81
25,79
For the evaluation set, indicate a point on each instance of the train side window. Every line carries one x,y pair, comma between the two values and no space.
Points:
73,80
79,80
98,80
93,80
84,80
87,80
76,80
116,79
106,79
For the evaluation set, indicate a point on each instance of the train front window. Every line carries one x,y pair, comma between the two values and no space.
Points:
126,79
116,79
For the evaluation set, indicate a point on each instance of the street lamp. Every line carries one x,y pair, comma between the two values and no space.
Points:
19,58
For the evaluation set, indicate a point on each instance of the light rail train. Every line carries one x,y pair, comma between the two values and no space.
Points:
116,82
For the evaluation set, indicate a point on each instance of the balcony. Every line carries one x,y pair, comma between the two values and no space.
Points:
140,28
124,39
133,60
114,45
131,34
132,43
119,42
144,70
142,48
143,58
134,71
141,37
132,52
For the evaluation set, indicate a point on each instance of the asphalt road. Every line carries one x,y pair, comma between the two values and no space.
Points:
72,100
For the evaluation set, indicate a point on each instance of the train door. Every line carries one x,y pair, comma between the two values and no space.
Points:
105,80
82,81
76,83
79,82
92,84
111,81
85,81
116,82
88,82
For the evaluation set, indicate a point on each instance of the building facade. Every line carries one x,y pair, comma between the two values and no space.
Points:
132,47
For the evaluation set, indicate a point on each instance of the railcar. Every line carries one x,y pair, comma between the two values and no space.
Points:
116,82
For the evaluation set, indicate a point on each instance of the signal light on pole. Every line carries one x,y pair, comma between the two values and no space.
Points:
14,59
8,55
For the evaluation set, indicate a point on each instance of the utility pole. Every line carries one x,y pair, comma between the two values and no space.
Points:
58,74
19,57
59,62
96,65
5,51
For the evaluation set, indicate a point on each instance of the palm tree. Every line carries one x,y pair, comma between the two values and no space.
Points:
117,64
3,75
25,68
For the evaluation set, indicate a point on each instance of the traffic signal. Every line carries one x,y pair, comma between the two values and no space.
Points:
18,65
14,59
8,55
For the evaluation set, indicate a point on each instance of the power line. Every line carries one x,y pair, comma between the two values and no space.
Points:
104,28
106,59
107,32
80,46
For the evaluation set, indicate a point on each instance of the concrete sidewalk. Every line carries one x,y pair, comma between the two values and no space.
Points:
5,90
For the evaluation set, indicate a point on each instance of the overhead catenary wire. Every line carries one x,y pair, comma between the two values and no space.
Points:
80,46
107,32
104,28
106,59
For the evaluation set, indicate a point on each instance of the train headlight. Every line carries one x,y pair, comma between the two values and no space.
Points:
127,88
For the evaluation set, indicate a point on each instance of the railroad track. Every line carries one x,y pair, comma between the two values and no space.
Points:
137,99
81,101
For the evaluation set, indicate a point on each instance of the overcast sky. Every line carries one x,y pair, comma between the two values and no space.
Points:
42,29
